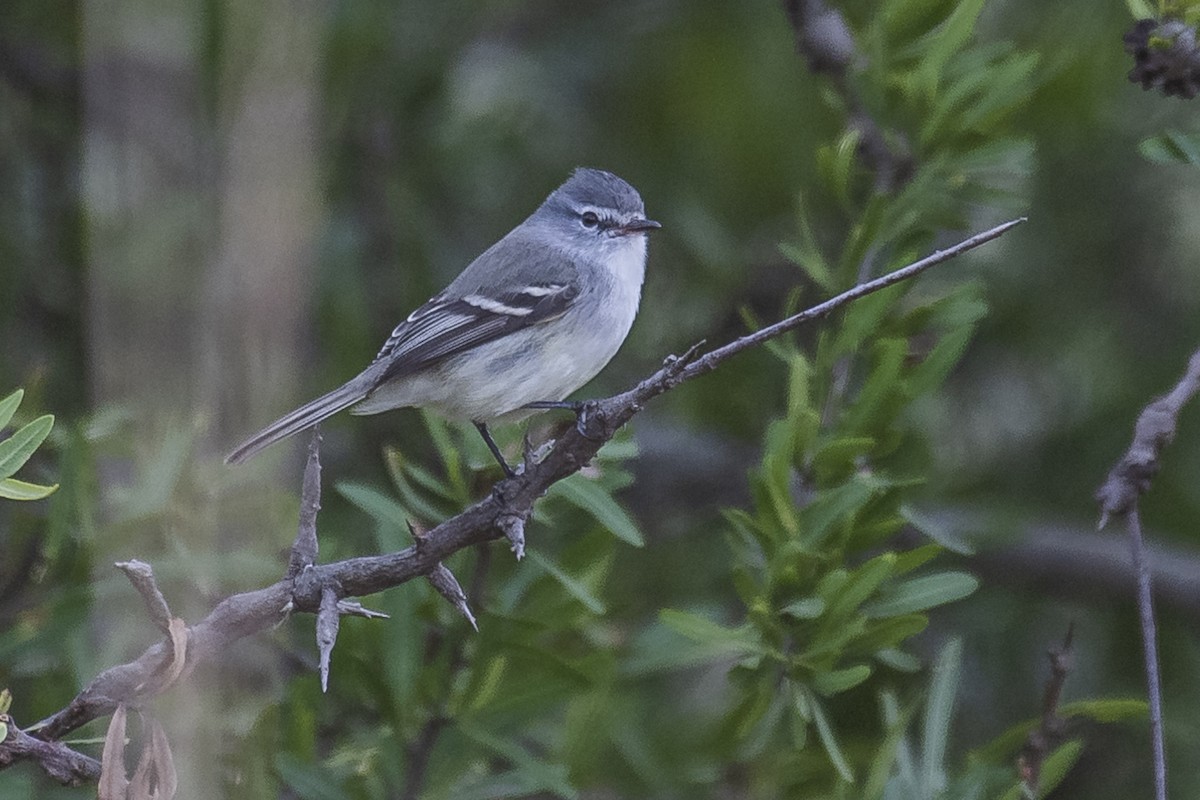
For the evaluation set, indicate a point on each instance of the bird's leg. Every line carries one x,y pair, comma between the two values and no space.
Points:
491,443
569,405
581,408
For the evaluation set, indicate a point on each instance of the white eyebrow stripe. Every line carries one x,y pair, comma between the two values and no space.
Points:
542,291
495,306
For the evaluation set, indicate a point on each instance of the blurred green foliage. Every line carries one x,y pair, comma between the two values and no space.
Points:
755,591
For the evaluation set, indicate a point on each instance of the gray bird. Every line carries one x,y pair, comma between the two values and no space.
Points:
529,321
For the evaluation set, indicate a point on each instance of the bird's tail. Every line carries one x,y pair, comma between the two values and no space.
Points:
301,419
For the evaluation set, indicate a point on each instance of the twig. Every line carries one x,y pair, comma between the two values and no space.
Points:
1118,496
141,576
711,360
1042,740
503,511
57,760
304,549
1145,601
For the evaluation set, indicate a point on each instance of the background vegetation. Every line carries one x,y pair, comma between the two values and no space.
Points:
212,211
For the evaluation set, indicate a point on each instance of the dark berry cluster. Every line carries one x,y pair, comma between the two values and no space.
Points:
1165,57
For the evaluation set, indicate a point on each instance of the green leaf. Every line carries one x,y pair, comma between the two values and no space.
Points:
17,449
943,533
661,648
574,586
932,372
882,763
595,500
9,405
837,681
949,38
839,456
890,632
1172,147
533,775
805,608
825,732
898,659
1001,749
5,701
391,532
1141,9
13,489
1054,769
862,584
700,629
308,781
922,593
836,506
939,710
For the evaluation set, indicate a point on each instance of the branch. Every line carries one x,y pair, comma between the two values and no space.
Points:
504,512
1045,737
57,760
1155,429
825,41
1118,496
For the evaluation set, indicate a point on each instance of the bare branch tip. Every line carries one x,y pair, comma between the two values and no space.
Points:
328,620
352,608
448,587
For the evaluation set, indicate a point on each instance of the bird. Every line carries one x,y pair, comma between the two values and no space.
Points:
529,321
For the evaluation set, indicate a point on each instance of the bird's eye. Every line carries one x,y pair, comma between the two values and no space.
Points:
590,219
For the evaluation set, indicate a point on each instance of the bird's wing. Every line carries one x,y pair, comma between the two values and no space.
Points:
446,325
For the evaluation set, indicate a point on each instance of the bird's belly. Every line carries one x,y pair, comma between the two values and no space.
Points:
497,379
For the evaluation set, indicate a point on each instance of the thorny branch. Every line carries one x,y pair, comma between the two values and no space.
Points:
503,513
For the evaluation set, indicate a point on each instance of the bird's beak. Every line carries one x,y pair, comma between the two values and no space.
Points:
636,226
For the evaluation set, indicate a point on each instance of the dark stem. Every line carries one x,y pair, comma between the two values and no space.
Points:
1145,602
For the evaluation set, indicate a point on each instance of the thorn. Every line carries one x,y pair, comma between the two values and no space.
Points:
674,362
352,608
448,587
328,620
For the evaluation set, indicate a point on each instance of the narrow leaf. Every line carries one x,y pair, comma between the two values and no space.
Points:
922,593
1054,769
595,500
938,713
13,489
805,608
1172,147
574,586
1141,9
825,732
17,449
1007,743
700,629
391,516
837,681
9,405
